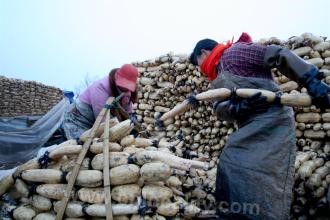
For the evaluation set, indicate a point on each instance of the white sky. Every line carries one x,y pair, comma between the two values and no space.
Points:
58,42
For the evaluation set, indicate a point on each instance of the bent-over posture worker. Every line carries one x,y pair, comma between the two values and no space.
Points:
256,167
88,105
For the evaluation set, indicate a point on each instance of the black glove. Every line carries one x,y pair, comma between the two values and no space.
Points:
239,107
221,109
134,132
255,104
133,118
316,88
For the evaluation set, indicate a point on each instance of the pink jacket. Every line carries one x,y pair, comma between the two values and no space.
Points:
97,94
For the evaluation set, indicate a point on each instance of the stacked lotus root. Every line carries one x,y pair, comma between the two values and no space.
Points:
143,176
156,175
21,97
165,82
170,79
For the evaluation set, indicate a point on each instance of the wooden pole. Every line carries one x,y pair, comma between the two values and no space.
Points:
106,167
79,161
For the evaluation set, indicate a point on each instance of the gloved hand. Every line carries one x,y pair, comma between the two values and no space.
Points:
133,118
317,89
134,132
239,108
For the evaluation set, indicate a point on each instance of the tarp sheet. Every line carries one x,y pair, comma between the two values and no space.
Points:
20,141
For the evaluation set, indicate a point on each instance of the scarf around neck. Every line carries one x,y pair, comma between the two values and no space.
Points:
209,65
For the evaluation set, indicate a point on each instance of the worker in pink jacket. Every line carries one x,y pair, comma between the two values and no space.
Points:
88,105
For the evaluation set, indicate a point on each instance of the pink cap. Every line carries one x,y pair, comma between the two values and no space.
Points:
126,77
